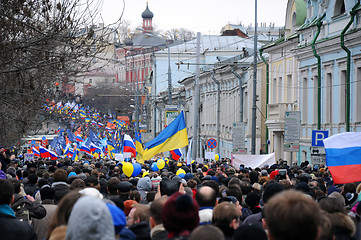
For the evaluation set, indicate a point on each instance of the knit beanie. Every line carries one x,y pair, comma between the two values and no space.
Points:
118,216
90,219
271,189
180,212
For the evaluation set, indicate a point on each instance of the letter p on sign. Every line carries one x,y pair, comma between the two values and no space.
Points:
318,136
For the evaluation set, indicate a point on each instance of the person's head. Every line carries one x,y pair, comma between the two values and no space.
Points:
180,213
90,219
206,232
332,205
60,175
47,193
271,189
226,215
235,191
6,192
249,232
33,178
62,212
235,181
139,213
16,185
156,211
206,197
112,185
92,181
292,215
77,184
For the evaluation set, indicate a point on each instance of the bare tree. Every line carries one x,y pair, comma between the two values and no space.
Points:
41,42
181,34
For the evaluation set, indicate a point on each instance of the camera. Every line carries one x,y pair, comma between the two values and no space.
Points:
168,187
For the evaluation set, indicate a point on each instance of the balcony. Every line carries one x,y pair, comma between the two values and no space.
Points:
276,115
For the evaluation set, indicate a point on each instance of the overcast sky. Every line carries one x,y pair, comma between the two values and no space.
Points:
205,16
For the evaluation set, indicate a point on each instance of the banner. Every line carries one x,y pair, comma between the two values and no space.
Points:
253,161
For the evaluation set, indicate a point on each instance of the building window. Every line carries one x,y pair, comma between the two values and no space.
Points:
90,80
328,98
289,88
274,99
315,99
304,100
280,93
339,8
358,95
343,96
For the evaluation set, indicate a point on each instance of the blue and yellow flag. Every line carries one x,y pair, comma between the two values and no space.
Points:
172,137
139,147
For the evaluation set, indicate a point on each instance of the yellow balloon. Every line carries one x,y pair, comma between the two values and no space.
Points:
179,164
160,164
180,171
216,157
145,174
193,161
128,169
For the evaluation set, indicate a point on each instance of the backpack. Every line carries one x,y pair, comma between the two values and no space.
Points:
22,213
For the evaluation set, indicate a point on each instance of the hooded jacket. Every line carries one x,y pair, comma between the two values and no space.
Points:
144,185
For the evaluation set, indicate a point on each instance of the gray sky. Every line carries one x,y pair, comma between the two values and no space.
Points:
207,17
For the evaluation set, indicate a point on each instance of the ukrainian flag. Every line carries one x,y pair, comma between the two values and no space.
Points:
139,147
172,137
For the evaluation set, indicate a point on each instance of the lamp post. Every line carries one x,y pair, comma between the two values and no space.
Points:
254,105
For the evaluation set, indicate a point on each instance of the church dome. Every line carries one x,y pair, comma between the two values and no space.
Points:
147,13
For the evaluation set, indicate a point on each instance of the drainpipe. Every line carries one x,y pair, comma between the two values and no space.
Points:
267,93
318,24
240,94
348,73
218,109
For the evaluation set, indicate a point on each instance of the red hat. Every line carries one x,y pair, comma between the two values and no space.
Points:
273,174
180,212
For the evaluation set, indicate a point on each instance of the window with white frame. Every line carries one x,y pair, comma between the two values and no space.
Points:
315,99
328,98
343,96
339,8
358,95
305,100
289,88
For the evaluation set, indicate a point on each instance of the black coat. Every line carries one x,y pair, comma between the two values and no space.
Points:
141,230
61,189
13,229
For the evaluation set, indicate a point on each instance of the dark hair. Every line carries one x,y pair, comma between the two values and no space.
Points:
150,196
16,185
235,191
112,185
331,205
6,191
135,195
33,179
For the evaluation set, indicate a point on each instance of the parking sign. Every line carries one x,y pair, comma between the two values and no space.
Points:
318,136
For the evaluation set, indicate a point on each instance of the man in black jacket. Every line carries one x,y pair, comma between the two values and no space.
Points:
12,228
26,208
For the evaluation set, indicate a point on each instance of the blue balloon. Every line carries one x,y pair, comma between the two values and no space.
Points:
181,175
137,169
154,167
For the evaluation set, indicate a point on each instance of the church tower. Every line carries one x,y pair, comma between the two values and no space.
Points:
147,16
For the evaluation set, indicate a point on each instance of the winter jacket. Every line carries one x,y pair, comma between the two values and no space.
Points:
31,189
41,225
13,229
141,230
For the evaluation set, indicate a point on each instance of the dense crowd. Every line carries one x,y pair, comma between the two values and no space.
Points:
94,199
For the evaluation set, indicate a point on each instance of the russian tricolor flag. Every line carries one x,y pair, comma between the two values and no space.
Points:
343,157
36,152
79,138
100,124
128,145
176,154
46,153
84,148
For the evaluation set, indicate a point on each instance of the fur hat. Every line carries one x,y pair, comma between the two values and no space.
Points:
180,212
90,219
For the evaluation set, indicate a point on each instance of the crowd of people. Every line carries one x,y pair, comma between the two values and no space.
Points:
94,199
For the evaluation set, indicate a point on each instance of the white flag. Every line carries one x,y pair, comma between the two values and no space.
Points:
189,153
